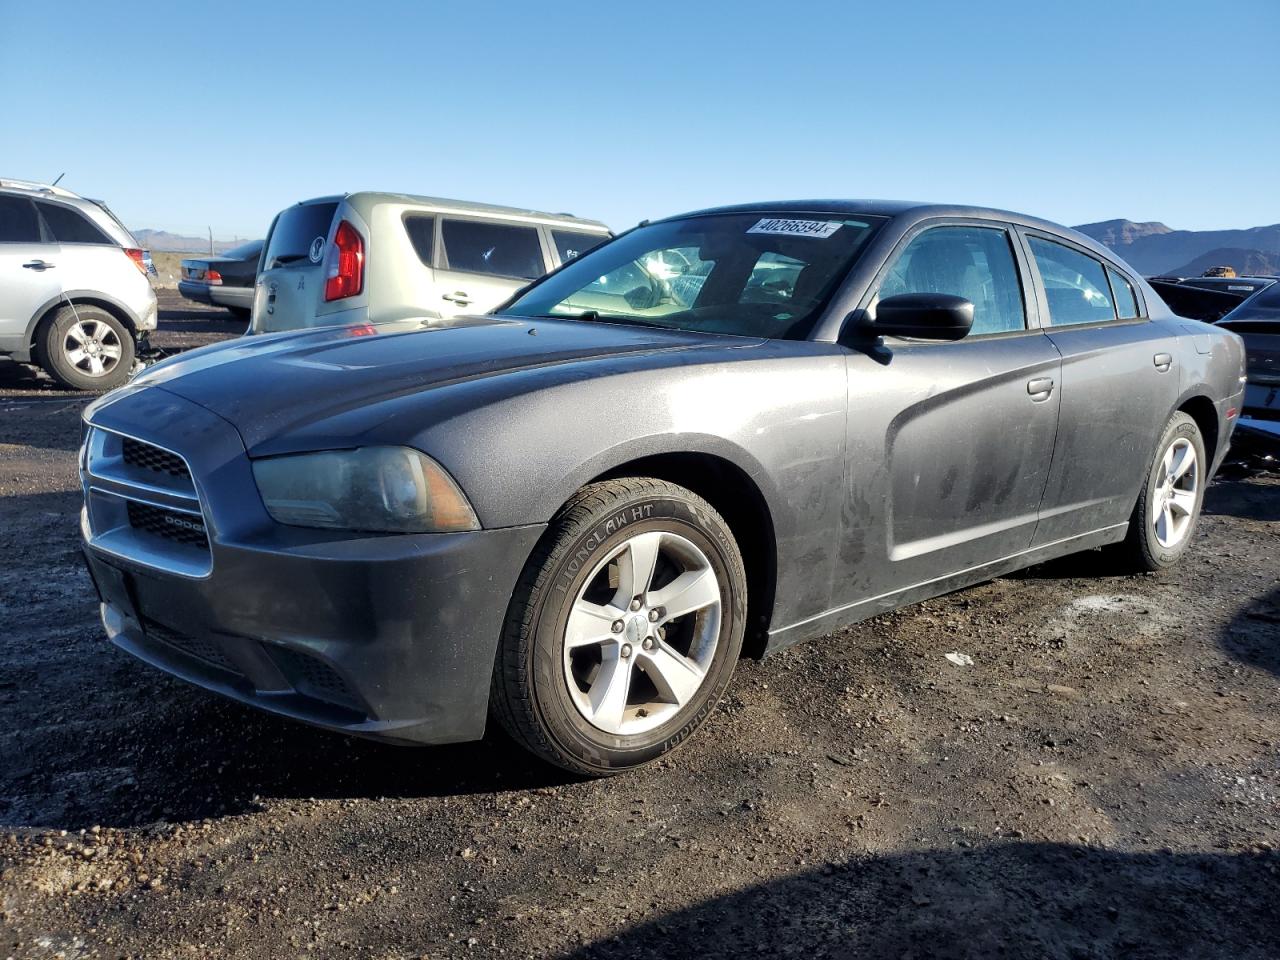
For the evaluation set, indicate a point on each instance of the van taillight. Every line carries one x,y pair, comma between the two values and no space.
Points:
344,267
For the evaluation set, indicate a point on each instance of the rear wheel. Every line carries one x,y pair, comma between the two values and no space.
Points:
624,630
86,348
1168,508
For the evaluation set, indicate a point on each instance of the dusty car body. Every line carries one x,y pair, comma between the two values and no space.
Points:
855,470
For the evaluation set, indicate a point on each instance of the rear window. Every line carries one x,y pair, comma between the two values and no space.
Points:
246,251
1074,284
498,249
68,225
18,223
296,229
571,243
422,234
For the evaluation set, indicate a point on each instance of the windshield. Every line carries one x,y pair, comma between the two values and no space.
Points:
745,274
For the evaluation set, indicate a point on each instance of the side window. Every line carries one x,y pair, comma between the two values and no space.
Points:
18,223
68,225
1074,284
422,234
571,244
1122,290
498,249
971,262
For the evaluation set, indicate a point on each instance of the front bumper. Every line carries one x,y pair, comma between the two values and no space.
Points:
391,637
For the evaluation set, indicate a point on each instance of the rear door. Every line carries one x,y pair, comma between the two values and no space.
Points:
949,443
483,262
30,274
290,287
1119,383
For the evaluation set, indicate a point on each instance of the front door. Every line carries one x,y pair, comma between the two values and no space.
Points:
483,263
950,444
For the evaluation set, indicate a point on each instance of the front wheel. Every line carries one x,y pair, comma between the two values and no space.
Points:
624,629
1168,507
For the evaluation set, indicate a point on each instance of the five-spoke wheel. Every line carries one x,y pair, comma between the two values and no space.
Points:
1168,506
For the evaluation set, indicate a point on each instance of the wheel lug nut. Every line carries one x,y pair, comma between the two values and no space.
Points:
625,652
647,643
618,626
653,615
635,604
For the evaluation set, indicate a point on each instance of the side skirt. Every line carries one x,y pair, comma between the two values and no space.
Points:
831,620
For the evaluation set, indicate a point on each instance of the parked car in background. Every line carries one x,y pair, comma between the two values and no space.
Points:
75,293
225,280
575,519
1257,321
1207,298
374,257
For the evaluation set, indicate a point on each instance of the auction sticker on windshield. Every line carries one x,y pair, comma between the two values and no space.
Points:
797,228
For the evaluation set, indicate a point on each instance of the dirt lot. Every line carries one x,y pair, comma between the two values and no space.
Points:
1103,781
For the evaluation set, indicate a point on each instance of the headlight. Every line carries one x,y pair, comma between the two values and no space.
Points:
385,489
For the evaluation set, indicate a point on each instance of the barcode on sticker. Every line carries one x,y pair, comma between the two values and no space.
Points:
797,228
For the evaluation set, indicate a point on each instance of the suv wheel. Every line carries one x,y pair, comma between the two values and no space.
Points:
624,629
86,348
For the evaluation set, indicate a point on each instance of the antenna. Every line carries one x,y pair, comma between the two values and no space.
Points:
60,176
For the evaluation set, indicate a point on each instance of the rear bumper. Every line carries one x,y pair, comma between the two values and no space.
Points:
390,637
221,296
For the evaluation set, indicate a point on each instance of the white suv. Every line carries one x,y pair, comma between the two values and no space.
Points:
75,297
375,257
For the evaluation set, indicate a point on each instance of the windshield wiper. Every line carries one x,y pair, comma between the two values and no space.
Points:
594,316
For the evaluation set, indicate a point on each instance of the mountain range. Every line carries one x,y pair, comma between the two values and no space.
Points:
1153,248
165,242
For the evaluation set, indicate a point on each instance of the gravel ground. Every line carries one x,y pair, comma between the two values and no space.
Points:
1103,781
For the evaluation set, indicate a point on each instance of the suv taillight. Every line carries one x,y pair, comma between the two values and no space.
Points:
344,267
139,258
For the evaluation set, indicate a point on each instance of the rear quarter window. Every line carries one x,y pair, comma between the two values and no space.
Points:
1126,300
295,230
422,234
68,225
571,244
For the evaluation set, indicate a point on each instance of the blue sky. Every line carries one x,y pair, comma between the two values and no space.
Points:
220,114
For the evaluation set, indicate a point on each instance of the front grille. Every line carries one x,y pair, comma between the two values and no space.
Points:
312,677
144,456
182,528
198,647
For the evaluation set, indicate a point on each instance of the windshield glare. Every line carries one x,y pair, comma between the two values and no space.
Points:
751,274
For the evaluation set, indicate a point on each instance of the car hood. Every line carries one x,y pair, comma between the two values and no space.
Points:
272,385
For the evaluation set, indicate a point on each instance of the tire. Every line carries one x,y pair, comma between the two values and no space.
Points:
240,313
1158,537
85,348
671,667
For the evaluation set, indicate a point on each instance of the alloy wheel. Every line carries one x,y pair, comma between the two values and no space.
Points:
1173,503
92,346
642,633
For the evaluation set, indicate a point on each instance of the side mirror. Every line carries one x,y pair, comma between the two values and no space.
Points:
921,316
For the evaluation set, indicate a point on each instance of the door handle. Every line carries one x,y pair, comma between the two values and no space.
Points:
1163,362
39,265
460,297
1040,388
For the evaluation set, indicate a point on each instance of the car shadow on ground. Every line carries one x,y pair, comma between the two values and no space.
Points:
1253,637
200,320
1011,900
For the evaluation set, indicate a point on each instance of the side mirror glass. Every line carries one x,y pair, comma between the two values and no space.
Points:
920,316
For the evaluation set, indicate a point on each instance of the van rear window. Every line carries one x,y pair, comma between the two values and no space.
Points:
295,230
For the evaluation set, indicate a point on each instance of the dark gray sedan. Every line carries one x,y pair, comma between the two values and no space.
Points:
721,432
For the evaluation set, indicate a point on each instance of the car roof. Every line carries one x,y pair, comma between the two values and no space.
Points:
912,209
369,198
